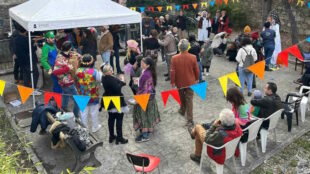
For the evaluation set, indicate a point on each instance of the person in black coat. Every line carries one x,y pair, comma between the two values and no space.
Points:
113,87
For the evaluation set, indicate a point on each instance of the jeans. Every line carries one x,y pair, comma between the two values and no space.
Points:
106,56
116,54
200,71
27,75
245,76
119,124
56,87
68,92
268,51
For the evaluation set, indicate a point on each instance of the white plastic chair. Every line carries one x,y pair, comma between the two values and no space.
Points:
230,148
304,104
273,121
253,131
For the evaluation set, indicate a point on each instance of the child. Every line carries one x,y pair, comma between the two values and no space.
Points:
254,110
88,85
206,56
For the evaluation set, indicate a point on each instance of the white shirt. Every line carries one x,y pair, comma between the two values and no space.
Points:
242,54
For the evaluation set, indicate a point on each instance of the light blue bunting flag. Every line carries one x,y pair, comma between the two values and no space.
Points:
142,9
81,101
177,7
212,3
200,89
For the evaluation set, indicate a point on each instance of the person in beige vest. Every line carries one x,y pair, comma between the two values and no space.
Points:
105,44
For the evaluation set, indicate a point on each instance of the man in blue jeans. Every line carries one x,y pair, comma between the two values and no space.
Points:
268,37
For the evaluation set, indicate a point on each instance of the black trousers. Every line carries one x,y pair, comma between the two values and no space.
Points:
27,75
119,124
18,71
220,50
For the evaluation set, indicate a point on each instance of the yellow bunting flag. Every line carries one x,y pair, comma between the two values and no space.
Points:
2,85
142,100
24,92
195,5
300,2
234,77
169,8
226,1
258,69
116,100
204,4
133,8
235,0
159,8
223,82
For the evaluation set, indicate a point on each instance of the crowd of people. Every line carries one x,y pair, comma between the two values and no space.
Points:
69,58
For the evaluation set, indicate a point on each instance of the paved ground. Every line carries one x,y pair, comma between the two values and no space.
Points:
171,141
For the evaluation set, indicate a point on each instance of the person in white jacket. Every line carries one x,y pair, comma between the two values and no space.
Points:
204,26
246,49
276,27
219,42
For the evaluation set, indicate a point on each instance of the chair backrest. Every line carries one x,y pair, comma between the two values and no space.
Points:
230,147
274,119
138,160
253,129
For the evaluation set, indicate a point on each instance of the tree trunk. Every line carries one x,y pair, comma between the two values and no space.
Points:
294,28
266,8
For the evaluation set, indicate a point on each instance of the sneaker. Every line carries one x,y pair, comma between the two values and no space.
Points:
141,139
96,129
268,69
249,94
195,158
166,75
132,101
36,92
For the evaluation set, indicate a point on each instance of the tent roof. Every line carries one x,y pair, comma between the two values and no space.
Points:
40,15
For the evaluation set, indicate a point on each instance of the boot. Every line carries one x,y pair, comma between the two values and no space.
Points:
121,140
112,138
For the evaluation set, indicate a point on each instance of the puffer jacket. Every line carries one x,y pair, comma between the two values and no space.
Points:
169,43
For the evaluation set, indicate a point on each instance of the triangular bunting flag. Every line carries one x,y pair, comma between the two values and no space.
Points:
204,4
258,69
283,58
142,100
169,8
300,2
159,8
185,6
218,2
24,92
142,9
175,94
294,50
195,5
234,77
151,9
177,7
309,7
116,100
223,83
81,101
308,39
49,95
212,3
226,2
200,89
2,85
133,8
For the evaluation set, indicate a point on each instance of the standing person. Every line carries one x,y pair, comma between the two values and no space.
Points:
216,22
63,70
246,52
89,44
158,25
219,42
146,120
170,48
88,81
204,25
224,21
206,57
18,72
181,24
275,25
105,44
76,39
168,21
152,46
48,58
116,47
268,37
21,45
184,73
113,87
195,50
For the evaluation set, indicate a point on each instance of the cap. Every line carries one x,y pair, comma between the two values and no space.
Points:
247,29
229,31
50,34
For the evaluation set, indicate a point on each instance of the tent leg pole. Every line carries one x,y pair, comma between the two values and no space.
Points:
141,39
11,27
31,67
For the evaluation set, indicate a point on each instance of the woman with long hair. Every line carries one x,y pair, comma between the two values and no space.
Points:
144,121
275,25
89,44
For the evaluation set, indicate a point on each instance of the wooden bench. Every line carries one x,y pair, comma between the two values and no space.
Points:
94,144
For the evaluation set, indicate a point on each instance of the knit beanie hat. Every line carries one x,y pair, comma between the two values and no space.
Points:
258,94
247,29
183,45
50,34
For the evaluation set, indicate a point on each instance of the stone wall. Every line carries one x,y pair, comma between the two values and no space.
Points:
302,15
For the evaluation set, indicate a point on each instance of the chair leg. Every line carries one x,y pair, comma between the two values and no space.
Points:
296,112
201,160
242,148
289,121
275,135
256,147
235,166
263,138
303,108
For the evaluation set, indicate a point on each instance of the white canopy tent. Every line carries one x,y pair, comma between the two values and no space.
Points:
43,15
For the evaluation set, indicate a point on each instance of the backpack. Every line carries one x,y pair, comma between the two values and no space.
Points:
249,60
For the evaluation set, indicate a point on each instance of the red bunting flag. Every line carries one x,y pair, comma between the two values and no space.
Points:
151,9
174,93
283,58
56,96
195,5
218,2
186,6
294,50
159,8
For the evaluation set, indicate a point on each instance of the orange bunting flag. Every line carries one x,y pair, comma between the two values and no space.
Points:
226,2
169,8
185,6
151,9
175,94
24,92
56,96
142,100
195,5
2,85
258,69
204,4
159,8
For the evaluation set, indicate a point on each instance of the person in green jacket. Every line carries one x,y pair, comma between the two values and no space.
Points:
48,58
